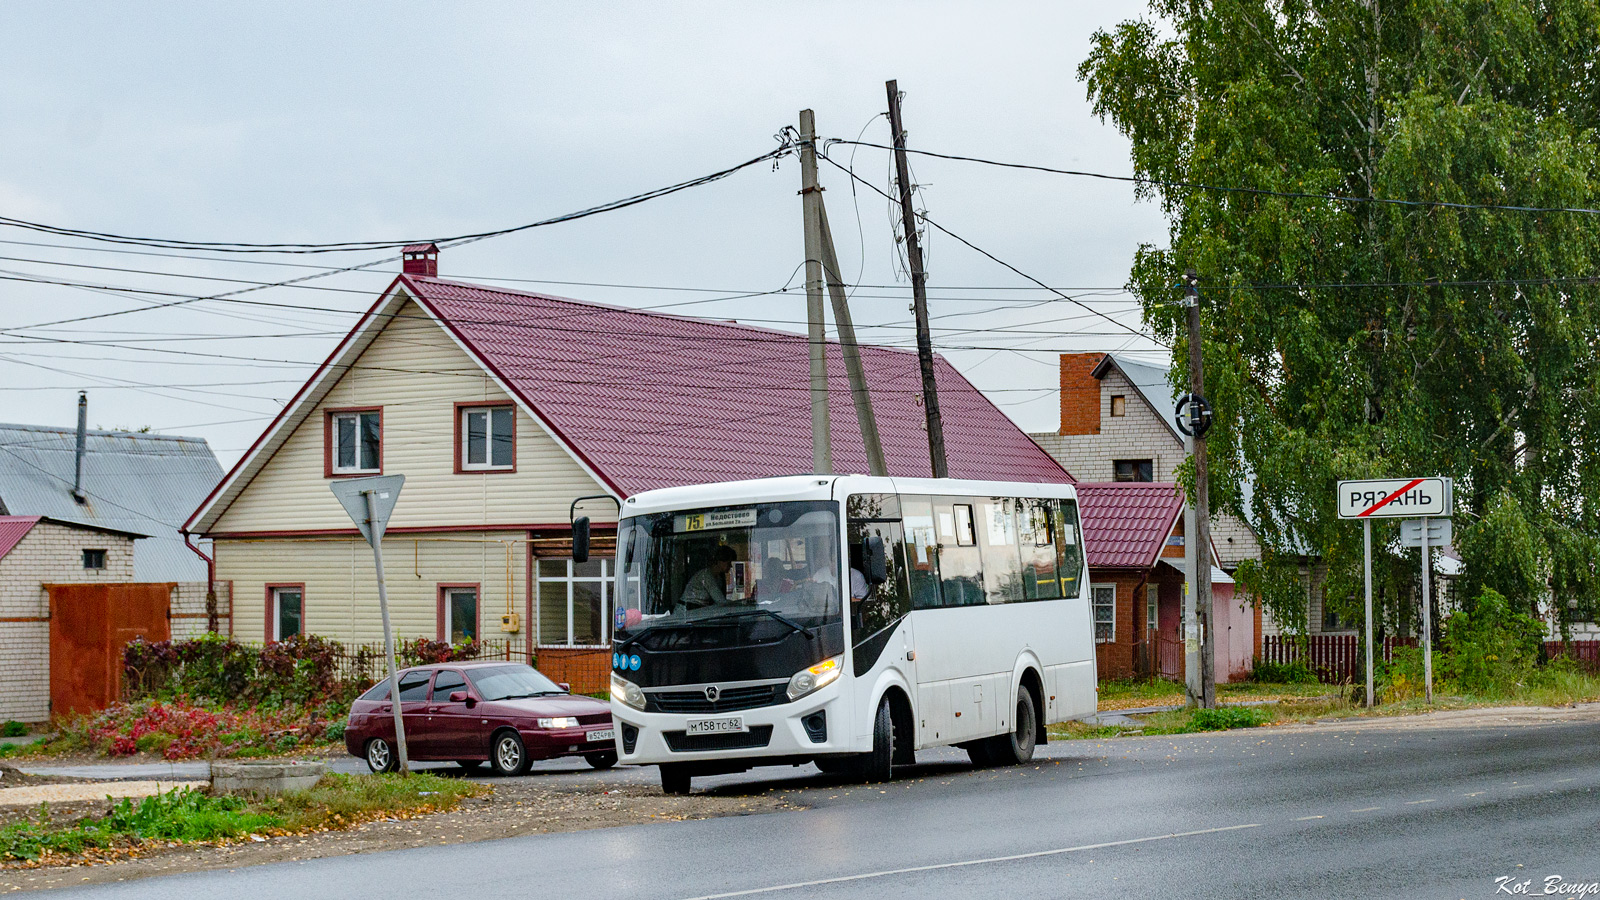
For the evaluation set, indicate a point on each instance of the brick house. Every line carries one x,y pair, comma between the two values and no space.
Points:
1133,536
502,408
35,552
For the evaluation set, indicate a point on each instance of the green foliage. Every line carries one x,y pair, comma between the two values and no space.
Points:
178,815
1282,673
1350,340
1491,648
302,670
1223,718
13,728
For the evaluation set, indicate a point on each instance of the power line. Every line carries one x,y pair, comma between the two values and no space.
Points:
345,246
1193,185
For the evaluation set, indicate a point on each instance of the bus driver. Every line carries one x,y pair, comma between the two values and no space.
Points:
707,587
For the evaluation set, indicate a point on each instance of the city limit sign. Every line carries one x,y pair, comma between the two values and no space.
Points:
1397,498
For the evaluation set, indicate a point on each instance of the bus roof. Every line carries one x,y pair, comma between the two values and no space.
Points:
826,487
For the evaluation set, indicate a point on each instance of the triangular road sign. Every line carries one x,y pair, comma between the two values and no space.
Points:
352,494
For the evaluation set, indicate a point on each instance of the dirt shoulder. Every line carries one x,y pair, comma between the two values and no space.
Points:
514,808
1474,717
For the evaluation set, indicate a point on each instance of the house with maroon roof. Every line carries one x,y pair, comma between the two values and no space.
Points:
1134,540
502,408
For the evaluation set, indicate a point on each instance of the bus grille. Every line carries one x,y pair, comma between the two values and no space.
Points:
731,700
683,742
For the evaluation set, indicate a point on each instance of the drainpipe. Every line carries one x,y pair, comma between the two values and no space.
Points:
211,583
83,428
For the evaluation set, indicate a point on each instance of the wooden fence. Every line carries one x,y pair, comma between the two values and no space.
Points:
1336,658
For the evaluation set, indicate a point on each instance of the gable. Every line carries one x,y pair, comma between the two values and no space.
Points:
414,371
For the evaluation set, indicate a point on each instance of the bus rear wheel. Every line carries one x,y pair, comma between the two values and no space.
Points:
1017,747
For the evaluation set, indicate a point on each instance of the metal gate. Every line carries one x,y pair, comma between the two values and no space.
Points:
90,624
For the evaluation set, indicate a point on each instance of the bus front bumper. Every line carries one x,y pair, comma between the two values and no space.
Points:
814,725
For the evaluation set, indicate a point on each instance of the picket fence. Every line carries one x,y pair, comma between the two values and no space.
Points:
1336,658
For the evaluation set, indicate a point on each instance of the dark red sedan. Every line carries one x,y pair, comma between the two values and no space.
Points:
506,713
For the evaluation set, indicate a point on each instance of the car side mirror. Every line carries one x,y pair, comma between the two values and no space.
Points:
462,697
564,686
580,539
875,558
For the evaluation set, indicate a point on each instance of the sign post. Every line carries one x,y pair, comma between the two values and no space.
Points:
1389,498
369,501
1426,533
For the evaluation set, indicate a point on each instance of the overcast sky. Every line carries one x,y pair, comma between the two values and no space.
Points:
324,122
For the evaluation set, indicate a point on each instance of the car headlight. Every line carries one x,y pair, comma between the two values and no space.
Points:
626,691
557,722
820,675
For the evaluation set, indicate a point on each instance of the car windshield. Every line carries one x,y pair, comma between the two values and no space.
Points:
773,561
507,682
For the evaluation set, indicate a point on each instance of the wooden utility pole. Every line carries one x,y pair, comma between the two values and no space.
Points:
850,350
1202,501
811,202
919,289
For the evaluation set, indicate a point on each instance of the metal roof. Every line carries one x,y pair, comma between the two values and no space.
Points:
1126,523
645,400
1151,383
13,529
139,483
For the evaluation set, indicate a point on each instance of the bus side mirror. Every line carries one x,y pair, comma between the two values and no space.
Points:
580,539
875,559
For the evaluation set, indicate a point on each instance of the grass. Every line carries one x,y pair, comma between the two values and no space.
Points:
1554,685
189,816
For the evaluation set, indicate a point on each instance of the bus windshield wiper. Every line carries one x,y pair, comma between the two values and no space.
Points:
810,635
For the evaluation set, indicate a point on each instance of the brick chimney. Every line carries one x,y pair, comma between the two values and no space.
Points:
420,259
1080,393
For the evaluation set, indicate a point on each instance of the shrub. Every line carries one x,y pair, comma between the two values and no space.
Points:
1282,673
13,728
1490,648
1225,717
182,730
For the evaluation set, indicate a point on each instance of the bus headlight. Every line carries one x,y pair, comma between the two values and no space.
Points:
626,691
820,675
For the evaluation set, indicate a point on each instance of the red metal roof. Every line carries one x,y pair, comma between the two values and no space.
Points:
13,529
1126,523
651,400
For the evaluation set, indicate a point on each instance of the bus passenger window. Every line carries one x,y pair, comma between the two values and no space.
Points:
1039,579
1002,566
922,551
1069,546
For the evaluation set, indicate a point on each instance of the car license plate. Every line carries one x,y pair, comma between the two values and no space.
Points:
724,725
607,735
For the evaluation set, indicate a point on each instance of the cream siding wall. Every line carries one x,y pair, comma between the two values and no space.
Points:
341,594
48,554
417,373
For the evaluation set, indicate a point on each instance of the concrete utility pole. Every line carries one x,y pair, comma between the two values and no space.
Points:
1202,501
1193,684
850,350
811,202
919,289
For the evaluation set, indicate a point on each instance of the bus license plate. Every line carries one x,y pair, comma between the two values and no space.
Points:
725,725
607,735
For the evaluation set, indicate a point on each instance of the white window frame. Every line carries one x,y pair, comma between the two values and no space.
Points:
1094,619
487,411
277,613
1152,605
358,469
567,640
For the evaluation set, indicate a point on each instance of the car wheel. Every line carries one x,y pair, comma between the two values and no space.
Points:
471,765
380,756
674,778
602,760
877,765
1017,747
509,756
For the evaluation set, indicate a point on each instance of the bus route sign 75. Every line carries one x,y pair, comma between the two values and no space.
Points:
1385,498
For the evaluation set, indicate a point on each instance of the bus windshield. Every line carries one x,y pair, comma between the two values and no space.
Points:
777,562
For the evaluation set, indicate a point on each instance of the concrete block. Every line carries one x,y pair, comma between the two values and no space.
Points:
265,777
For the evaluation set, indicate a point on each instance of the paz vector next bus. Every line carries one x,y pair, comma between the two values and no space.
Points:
848,621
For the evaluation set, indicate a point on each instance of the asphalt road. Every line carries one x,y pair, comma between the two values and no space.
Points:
1359,812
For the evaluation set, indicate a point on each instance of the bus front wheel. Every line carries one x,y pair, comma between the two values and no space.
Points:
674,778
878,764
